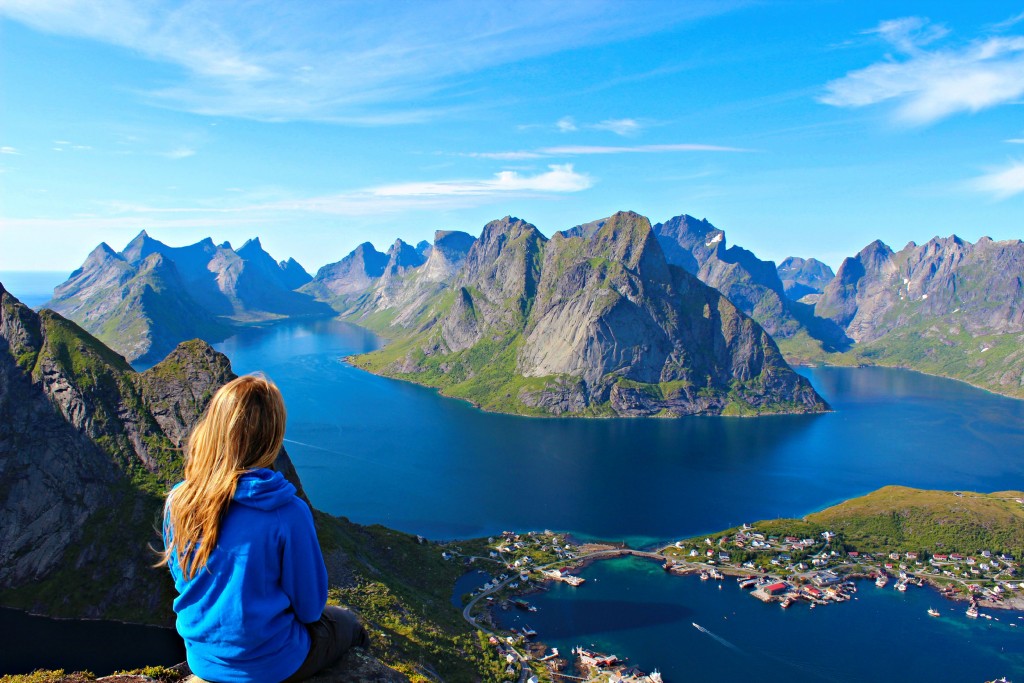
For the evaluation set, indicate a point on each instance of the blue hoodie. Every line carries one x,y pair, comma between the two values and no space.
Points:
242,616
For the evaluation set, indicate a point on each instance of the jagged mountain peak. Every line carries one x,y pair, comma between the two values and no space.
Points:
252,247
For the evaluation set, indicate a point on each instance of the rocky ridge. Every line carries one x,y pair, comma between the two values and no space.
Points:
755,286
594,321
947,306
147,298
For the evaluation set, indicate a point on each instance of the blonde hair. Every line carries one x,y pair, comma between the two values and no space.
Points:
242,429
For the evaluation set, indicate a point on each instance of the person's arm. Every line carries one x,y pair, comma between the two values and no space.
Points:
303,574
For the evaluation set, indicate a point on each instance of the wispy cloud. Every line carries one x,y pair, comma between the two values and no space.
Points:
359,62
928,84
909,33
574,150
566,125
582,150
1008,23
1003,183
558,178
9,150
1015,141
619,126
427,195
180,153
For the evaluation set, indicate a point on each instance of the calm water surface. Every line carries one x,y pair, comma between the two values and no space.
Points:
383,451
633,608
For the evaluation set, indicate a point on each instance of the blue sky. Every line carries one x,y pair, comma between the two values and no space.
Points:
800,128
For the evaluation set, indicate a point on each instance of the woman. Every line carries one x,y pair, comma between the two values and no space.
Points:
243,551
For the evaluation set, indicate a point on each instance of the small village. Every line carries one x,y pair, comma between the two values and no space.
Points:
776,567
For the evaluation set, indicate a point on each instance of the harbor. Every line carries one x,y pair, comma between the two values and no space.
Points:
632,608
807,572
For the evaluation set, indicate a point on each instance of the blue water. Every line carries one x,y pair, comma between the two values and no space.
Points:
635,609
32,288
383,451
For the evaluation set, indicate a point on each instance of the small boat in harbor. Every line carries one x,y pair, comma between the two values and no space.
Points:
933,612
972,611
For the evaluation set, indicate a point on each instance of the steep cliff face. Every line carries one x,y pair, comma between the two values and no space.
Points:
947,306
751,284
88,445
147,299
594,321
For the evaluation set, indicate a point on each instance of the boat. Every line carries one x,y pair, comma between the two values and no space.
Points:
786,603
933,612
972,611
528,632
703,575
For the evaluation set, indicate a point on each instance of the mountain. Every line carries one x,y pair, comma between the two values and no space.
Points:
149,297
384,290
86,447
89,446
753,285
946,307
594,321
802,277
348,278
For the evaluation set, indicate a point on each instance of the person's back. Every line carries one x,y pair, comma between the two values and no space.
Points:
251,604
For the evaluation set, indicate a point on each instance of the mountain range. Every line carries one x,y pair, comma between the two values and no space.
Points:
947,307
149,297
594,321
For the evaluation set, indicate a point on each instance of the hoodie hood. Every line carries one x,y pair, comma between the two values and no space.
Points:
263,489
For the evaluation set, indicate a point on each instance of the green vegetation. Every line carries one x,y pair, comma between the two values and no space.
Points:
897,518
401,586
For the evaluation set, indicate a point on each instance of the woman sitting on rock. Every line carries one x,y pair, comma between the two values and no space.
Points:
243,551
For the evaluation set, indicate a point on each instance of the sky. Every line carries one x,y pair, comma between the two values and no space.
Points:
799,128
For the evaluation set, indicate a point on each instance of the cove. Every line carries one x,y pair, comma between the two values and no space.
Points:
633,608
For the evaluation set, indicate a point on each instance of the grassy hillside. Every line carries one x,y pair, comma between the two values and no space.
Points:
901,518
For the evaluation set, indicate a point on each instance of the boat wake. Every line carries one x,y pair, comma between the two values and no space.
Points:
720,639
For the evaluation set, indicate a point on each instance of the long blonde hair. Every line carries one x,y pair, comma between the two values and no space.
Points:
242,429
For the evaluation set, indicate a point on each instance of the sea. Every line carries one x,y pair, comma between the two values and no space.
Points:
378,450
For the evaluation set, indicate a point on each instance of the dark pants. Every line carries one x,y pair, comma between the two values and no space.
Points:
337,630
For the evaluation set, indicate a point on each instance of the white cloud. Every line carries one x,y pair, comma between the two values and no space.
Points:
559,178
9,150
619,126
1008,23
1015,141
928,85
429,195
647,149
580,150
180,153
1003,183
909,33
566,125
504,156
359,62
